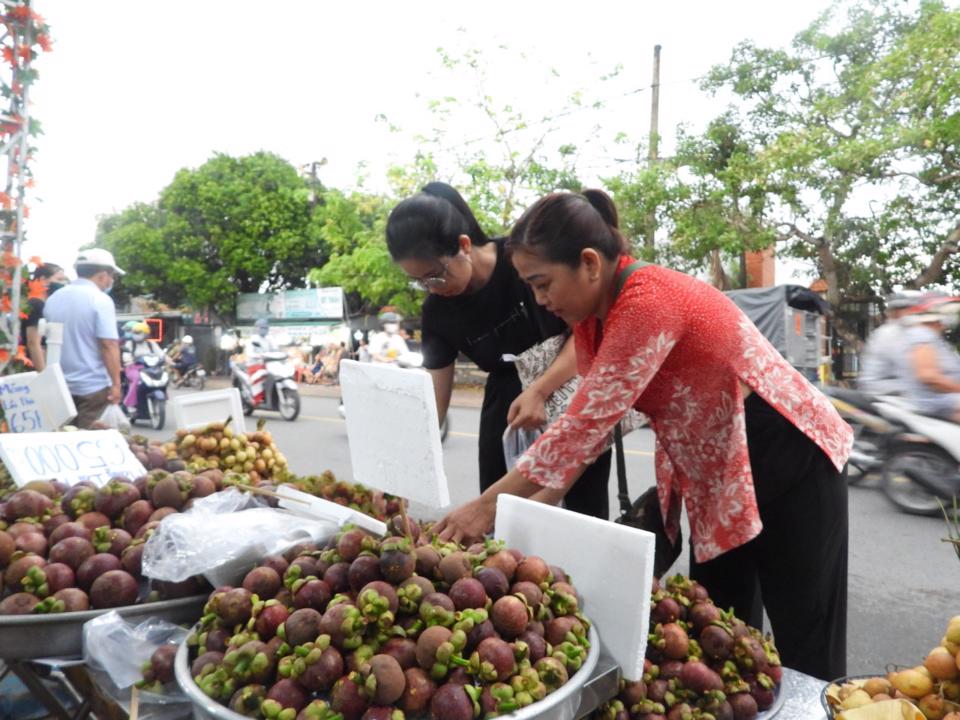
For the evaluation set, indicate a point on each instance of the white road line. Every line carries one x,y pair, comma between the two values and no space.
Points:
457,433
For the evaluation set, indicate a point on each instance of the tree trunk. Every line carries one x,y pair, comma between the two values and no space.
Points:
718,276
934,271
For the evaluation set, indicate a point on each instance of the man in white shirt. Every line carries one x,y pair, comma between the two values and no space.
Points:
90,356
388,346
880,371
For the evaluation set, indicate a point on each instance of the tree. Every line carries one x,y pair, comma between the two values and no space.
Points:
855,131
512,161
232,225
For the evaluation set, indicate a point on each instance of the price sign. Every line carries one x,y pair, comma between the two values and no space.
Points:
20,408
36,403
94,455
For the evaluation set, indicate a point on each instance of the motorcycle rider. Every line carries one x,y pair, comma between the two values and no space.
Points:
138,346
931,365
257,347
880,366
389,345
184,357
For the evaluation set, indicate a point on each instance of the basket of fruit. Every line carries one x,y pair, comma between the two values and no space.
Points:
931,689
700,661
398,626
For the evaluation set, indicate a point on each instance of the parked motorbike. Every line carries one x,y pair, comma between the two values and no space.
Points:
412,361
276,374
151,392
193,377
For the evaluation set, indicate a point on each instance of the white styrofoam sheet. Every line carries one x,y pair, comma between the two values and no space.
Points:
197,410
394,431
611,566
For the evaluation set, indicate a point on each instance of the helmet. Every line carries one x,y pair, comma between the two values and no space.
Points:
128,325
389,317
187,340
934,307
903,300
262,323
141,327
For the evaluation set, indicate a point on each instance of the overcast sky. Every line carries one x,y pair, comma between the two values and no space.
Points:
135,90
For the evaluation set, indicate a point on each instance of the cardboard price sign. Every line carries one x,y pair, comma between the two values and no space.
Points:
20,409
94,455
36,403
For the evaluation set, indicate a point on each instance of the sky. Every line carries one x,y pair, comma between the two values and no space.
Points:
136,90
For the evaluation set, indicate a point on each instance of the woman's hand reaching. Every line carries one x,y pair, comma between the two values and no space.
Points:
468,523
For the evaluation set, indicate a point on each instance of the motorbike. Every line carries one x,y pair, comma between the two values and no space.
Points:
918,456
193,377
922,466
872,432
276,374
151,392
410,361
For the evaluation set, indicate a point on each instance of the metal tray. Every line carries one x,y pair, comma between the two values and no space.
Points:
563,704
28,637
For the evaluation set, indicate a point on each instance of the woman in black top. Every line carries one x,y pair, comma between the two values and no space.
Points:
478,306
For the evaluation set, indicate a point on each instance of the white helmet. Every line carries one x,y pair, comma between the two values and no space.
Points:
187,340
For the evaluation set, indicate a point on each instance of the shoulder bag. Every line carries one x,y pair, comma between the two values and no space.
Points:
644,512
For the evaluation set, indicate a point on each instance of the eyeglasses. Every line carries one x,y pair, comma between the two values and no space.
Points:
432,282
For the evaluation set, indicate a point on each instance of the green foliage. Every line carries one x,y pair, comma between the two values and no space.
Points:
353,227
232,225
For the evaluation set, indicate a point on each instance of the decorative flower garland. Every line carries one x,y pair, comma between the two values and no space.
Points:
23,35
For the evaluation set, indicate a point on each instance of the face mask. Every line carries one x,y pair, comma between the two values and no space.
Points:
109,288
139,337
53,287
262,332
391,328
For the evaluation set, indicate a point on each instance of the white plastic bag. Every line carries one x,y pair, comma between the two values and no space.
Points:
214,540
114,417
115,652
515,443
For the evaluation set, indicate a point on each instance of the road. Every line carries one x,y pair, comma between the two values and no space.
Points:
903,581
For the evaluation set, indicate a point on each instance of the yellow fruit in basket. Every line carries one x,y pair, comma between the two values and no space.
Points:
914,682
188,440
857,698
932,707
941,664
877,685
953,629
950,689
954,648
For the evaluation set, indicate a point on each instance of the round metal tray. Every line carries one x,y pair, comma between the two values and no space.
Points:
559,705
28,637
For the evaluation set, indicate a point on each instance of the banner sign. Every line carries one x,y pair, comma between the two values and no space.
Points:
309,304
94,455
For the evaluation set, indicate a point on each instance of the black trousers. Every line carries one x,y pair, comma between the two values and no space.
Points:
797,566
589,495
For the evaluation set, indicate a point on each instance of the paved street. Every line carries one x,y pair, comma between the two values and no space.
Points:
903,580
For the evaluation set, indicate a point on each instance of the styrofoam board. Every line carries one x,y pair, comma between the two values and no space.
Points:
197,410
394,432
611,565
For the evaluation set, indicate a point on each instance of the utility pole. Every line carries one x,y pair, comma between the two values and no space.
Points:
652,155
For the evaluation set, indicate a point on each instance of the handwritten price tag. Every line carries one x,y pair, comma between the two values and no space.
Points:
94,455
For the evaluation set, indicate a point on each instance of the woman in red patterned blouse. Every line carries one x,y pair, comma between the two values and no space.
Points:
754,451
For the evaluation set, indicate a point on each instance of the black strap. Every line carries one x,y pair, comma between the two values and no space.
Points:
623,494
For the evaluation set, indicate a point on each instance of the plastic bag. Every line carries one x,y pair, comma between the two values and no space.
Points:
516,441
213,540
115,652
114,417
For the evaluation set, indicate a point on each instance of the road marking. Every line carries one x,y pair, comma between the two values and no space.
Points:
457,433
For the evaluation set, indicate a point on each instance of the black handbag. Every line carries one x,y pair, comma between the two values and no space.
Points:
644,512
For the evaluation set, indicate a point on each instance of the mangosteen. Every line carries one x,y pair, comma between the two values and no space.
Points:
510,615
313,594
454,566
417,693
264,582
533,569
467,593
383,679
451,702
114,497
365,569
302,626
95,566
115,588
20,603
494,581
